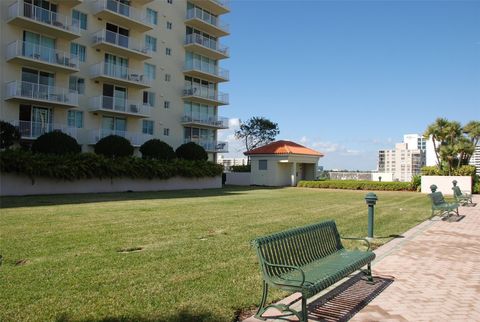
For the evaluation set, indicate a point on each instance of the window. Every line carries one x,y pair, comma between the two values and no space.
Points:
152,16
170,1
149,71
262,164
168,51
77,84
75,119
166,132
151,43
149,98
169,25
81,18
147,127
78,51
168,77
166,104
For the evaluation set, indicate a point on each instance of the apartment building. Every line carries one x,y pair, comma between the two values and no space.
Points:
140,69
475,159
405,161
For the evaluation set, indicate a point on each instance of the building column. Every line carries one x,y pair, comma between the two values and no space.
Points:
293,175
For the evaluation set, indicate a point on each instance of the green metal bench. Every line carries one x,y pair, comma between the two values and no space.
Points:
441,206
462,198
307,259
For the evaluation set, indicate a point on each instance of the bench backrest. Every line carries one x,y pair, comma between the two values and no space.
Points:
297,247
437,198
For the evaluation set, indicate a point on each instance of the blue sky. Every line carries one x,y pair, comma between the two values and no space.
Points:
351,77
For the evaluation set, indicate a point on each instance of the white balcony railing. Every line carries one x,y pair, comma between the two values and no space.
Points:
121,9
206,93
41,53
108,103
206,42
135,138
210,146
32,130
207,17
35,91
121,72
219,122
199,65
107,36
36,13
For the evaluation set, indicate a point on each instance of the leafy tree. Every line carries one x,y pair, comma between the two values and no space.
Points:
452,148
9,135
114,146
157,150
256,132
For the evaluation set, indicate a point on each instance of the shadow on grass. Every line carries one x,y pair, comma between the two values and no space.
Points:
181,316
53,200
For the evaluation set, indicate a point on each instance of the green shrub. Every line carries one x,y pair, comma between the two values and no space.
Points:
89,165
476,184
465,170
416,182
157,150
357,185
56,142
241,168
114,146
431,171
191,151
9,135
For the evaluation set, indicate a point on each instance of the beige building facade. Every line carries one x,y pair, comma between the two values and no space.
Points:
402,162
140,69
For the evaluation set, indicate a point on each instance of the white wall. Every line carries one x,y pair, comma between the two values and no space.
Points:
386,176
16,185
238,178
444,183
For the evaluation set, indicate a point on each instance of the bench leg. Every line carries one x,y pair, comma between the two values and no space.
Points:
369,273
304,309
262,308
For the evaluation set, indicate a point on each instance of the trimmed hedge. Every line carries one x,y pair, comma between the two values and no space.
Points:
191,151
89,165
114,146
9,135
56,142
241,168
357,185
158,150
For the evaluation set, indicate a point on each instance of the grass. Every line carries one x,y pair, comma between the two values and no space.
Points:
165,256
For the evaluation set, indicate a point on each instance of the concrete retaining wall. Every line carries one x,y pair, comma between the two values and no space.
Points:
444,183
16,185
238,178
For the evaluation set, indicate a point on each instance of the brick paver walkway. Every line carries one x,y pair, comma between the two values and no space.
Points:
436,272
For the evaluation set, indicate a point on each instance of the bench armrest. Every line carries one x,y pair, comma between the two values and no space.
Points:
302,273
358,238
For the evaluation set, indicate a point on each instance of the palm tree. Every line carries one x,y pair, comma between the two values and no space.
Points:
464,149
472,130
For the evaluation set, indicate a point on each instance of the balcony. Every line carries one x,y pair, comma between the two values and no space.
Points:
142,2
71,3
119,74
38,93
121,14
112,105
211,146
211,122
203,20
135,138
205,95
36,56
120,45
197,68
32,130
216,7
28,16
206,46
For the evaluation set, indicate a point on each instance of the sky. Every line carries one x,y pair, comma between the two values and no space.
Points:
349,78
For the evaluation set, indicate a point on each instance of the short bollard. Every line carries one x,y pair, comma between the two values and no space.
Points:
371,200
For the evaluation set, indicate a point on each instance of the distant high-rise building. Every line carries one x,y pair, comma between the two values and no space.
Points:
406,160
475,159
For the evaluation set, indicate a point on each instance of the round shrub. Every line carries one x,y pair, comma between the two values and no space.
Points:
56,142
191,151
114,146
9,134
158,150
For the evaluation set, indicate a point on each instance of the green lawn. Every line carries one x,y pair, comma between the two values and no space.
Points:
61,259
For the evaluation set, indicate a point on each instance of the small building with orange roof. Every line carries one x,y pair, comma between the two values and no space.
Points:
282,163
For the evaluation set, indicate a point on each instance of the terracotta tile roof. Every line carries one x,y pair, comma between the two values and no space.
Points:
284,147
